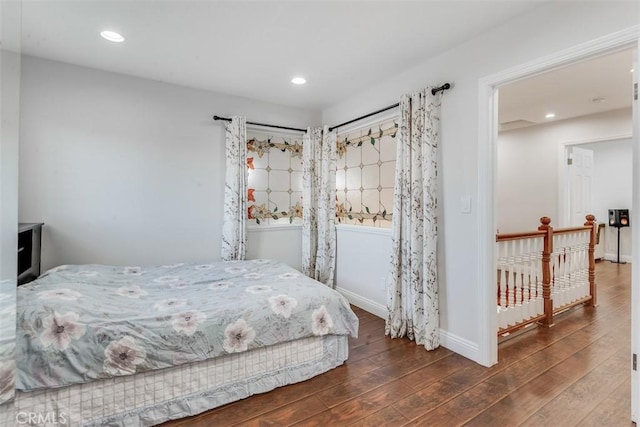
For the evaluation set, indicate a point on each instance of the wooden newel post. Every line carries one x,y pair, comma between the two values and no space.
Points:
546,270
591,222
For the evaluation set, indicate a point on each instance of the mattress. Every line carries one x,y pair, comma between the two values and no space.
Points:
152,397
77,324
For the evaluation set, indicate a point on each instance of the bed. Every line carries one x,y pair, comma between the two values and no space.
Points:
107,345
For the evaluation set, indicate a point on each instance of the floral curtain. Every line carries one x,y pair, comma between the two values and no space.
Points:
319,204
413,281
234,227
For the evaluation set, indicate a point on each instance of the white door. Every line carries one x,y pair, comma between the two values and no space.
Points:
635,245
580,172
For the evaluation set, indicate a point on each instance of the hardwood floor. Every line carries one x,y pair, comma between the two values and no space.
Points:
575,373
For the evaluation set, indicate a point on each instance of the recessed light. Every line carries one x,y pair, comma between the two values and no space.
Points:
550,115
631,70
112,36
298,80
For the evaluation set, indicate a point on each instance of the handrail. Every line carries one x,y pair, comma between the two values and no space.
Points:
519,236
571,229
537,233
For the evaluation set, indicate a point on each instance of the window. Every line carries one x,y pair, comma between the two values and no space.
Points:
275,179
366,174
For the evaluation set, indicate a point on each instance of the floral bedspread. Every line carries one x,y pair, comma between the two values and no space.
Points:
80,323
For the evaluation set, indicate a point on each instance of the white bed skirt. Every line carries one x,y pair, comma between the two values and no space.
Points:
153,397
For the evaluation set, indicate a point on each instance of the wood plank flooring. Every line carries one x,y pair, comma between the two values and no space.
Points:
575,373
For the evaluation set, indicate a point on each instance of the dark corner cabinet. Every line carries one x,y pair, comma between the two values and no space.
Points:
29,240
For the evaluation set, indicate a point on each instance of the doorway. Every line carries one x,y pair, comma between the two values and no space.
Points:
488,112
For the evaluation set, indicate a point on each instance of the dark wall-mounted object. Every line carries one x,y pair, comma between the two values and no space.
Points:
619,218
29,241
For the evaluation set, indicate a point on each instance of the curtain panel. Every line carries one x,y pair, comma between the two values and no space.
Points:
412,287
234,227
319,154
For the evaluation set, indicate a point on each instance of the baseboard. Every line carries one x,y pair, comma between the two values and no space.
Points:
614,257
460,345
364,303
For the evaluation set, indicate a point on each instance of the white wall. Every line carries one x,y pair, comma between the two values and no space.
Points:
281,242
362,266
124,170
542,31
9,113
9,107
10,17
612,179
527,180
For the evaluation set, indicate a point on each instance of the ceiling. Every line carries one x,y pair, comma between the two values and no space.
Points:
253,49
589,87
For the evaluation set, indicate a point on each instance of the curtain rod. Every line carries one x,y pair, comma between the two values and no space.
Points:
226,119
433,92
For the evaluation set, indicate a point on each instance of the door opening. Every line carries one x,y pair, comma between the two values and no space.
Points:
488,138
